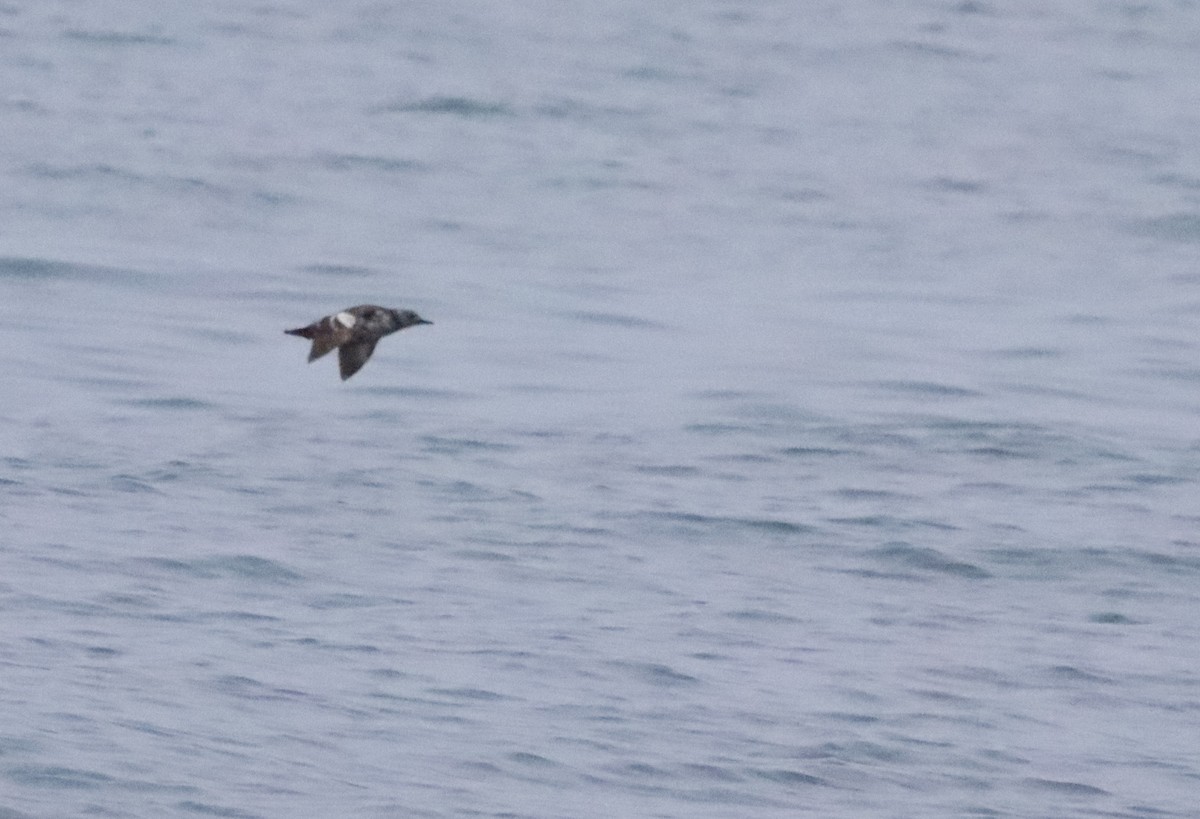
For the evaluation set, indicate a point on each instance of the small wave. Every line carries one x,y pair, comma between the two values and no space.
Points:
1175,227
929,560
174,403
37,269
118,37
456,106
617,320
1072,788
246,566
56,776
767,525
364,162
658,674
928,389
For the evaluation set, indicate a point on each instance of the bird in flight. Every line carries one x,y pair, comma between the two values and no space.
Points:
354,332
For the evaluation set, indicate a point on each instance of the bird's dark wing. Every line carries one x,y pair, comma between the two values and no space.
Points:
323,342
352,356
325,334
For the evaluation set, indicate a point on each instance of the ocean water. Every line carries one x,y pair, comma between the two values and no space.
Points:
810,424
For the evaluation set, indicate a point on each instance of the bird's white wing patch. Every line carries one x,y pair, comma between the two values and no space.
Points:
345,319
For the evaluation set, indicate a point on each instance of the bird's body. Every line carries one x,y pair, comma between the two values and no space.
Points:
354,332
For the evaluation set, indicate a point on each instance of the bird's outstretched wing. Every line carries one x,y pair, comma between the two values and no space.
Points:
325,334
352,356
323,342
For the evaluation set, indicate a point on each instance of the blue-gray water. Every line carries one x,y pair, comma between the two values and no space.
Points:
810,425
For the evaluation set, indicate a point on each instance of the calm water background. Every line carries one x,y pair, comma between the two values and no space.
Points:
810,424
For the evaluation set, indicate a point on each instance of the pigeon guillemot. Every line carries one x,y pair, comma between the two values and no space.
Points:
355,332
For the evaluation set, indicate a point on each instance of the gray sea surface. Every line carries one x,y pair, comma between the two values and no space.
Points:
809,425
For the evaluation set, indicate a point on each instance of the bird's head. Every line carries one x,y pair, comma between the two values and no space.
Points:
405,318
